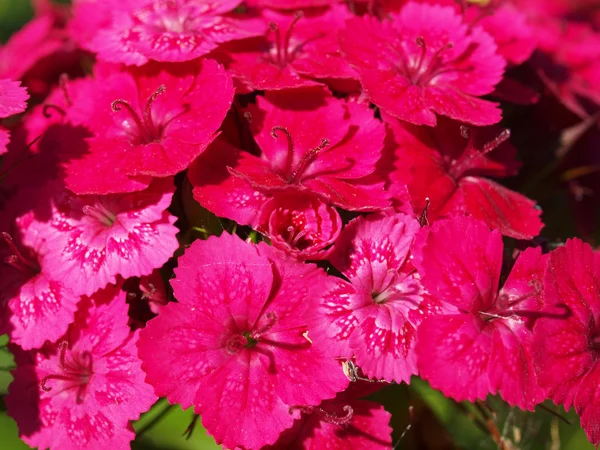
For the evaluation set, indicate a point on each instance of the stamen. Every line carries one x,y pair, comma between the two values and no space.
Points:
100,213
62,347
470,153
248,117
302,408
290,143
511,313
274,28
151,129
351,371
308,158
421,43
62,83
44,383
423,219
338,419
272,318
51,107
16,259
297,16
119,104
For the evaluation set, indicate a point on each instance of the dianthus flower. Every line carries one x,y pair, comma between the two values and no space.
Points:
297,48
485,346
309,142
82,392
93,238
13,100
235,344
374,316
566,350
445,168
425,61
167,30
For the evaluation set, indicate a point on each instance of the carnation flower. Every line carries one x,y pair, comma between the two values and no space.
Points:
91,239
425,61
444,168
309,141
296,48
235,345
168,30
374,317
82,392
13,99
485,346
566,349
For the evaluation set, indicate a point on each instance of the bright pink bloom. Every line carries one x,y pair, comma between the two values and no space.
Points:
297,48
423,61
235,345
310,141
13,100
83,392
162,117
374,317
291,4
566,351
300,224
447,165
484,347
343,423
168,30
92,239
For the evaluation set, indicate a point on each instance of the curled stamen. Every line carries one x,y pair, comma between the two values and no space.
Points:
148,110
308,157
100,213
290,143
423,219
248,117
44,383
51,107
16,259
336,419
119,104
288,35
62,347
465,131
275,29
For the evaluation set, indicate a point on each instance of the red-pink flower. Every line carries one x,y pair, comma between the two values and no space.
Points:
297,48
343,423
91,239
235,344
566,350
168,30
425,61
82,392
445,167
150,121
13,100
485,346
300,224
309,141
374,317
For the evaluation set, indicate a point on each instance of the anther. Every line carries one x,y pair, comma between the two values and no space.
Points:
51,107
336,419
423,219
290,144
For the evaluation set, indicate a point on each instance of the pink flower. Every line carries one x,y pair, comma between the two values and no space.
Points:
291,4
446,166
423,61
310,142
566,351
13,100
168,30
300,224
344,422
375,316
83,392
235,345
151,121
92,239
485,346
297,48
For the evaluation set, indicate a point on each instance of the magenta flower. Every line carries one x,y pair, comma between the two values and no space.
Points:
566,351
425,61
235,344
13,100
374,317
92,239
447,167
309,141
300,224
83,392
168,30
485,346
297,48
151,121
345,422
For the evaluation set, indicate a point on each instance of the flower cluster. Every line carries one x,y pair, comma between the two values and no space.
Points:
350,155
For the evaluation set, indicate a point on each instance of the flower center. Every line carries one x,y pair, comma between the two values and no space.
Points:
293,173
250,339
142,129
280,52
74,373
168,16
458,167
100,212
17,260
